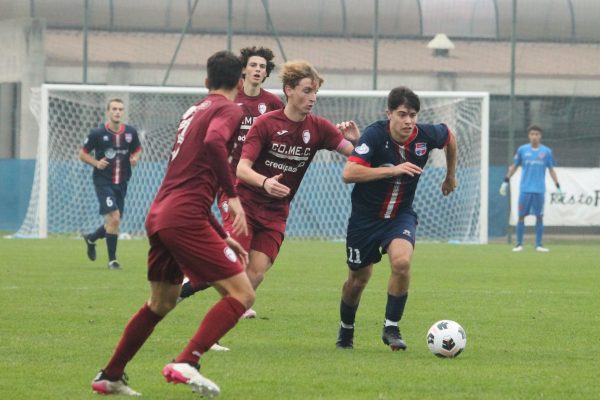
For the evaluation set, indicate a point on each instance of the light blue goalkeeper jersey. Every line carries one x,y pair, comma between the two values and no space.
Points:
533,163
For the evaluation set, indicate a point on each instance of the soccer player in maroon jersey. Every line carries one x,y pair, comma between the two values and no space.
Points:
116,147
185,238
385,167
276,154
254,102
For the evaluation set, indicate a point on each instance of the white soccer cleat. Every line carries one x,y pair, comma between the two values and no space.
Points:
218,347
249,314
185,373
517,248
542,249
102,385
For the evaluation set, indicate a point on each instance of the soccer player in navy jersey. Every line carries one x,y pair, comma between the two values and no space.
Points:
185,238
254,102
385,167
276,154
534,158
117,149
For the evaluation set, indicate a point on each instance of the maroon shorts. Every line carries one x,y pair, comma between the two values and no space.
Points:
266,227
197,252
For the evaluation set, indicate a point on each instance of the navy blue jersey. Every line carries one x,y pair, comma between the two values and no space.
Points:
116,147
385,197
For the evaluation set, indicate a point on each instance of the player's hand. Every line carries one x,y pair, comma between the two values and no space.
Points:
239,250
274,188
350,131
503,189
101,164
449,185
406,168
240,226
133,160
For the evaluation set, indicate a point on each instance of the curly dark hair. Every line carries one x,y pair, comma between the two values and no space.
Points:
263,52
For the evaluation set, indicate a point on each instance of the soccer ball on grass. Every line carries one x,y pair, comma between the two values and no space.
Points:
446,339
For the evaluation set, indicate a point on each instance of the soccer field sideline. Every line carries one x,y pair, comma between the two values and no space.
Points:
527,318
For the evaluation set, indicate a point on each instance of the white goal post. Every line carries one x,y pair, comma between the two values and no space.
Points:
63,200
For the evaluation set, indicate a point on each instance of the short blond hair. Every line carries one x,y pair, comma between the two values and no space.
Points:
292,72
114,100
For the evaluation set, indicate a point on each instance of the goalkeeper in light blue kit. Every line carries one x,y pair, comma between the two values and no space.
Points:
534,158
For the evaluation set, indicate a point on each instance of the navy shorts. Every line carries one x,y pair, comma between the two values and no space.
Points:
368,238
111,198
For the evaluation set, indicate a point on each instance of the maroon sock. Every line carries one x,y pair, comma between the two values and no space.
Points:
218,321
138,329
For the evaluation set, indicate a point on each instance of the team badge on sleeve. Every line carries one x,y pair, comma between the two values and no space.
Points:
420,149
362,149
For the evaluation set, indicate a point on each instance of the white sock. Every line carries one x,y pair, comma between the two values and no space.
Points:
390,323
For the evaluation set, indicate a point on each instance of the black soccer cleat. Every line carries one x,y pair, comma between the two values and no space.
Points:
91,248
187,290
114,264
345,339
391,336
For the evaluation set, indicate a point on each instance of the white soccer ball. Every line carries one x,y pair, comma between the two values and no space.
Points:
446,339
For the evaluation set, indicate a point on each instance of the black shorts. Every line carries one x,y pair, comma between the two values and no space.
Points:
368,238
111,198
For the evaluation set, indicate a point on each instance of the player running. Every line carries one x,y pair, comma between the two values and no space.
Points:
385,167
185,238
254,102
117,149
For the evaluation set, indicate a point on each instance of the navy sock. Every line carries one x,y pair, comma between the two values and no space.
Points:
395,307
347,313
100,233
111,245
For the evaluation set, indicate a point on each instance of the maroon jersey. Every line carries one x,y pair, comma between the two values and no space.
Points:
252,107
278,145
198,165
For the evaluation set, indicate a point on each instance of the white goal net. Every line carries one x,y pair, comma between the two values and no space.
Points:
63,200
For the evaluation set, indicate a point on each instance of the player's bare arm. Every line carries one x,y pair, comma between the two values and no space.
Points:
135,158
350,131
271,185
450,183
240,226
356,173
554,177
88,159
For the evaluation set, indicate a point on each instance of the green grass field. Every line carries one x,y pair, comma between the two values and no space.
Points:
531,320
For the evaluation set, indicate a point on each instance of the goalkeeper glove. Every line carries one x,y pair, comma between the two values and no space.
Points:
504,187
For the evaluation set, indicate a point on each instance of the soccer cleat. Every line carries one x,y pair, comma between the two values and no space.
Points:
345,338
248,314
114,264
391,336
91,248
542,249
102,385
218,347
517,248
186,290
185,373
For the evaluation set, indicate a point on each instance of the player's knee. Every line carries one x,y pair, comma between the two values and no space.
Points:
113,220
359,282
400,265
162,307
